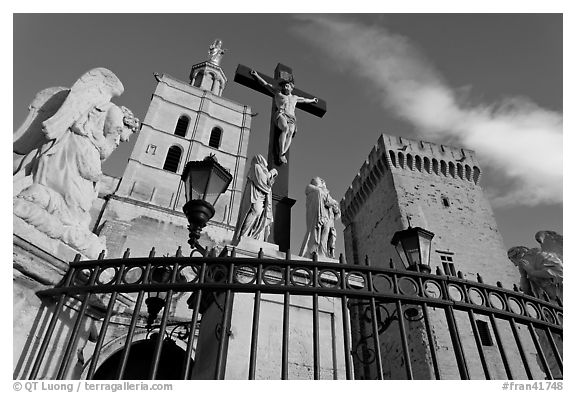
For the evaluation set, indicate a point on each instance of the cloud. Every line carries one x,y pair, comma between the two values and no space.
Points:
517,139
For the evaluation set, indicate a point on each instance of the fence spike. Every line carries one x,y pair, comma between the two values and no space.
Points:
438,271
460,274
367,260
126,254
233,253
224,252
499,284
288,255
152,252
77,257
179,252
102,254
315,256
515,287
391,264
260,254
479,278
341,258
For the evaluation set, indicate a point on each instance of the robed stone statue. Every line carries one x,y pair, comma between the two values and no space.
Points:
255,215
321,211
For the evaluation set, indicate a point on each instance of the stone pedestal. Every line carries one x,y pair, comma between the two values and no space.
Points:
41,241
36,268
40,263
248,247
282,207
270,327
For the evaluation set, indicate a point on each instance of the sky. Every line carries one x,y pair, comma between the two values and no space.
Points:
492,83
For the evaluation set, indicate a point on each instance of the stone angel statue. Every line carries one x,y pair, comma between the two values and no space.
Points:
541,269
58,152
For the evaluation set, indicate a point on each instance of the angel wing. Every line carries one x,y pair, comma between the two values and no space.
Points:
29,136
94,88
44,105
550,241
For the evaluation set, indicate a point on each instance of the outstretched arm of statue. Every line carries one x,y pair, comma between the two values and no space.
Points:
308,100
261,80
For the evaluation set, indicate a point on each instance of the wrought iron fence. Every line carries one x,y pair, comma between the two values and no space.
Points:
371,300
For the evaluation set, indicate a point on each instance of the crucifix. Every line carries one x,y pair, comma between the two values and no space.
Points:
278,155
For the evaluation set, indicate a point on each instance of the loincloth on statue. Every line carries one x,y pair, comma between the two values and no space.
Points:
290,119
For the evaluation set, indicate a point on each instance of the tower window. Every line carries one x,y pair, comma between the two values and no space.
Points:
173,159
215,138
445,201
447,262
182,126
446,258
151,149
449,268
484,333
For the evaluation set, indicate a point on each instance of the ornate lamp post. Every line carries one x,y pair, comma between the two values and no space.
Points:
413,246
204,182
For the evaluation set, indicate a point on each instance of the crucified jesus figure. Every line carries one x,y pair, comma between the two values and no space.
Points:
284,117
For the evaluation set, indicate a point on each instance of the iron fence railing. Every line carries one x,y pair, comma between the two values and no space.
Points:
370,297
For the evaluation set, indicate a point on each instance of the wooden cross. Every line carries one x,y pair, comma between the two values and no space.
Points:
282,203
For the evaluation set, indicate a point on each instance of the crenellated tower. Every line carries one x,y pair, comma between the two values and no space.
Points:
436,187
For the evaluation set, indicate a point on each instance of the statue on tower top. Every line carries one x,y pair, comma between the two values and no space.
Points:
215,52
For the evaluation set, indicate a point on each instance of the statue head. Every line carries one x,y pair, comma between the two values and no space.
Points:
318,182
286,87
217,43
260,160
131,123
515,254
119,124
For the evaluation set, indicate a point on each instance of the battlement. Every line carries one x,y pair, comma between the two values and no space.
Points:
398,154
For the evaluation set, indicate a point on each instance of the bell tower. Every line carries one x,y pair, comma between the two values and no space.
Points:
185,121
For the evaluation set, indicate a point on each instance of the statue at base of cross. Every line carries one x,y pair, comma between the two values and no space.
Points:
255,217
284,114
321,212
